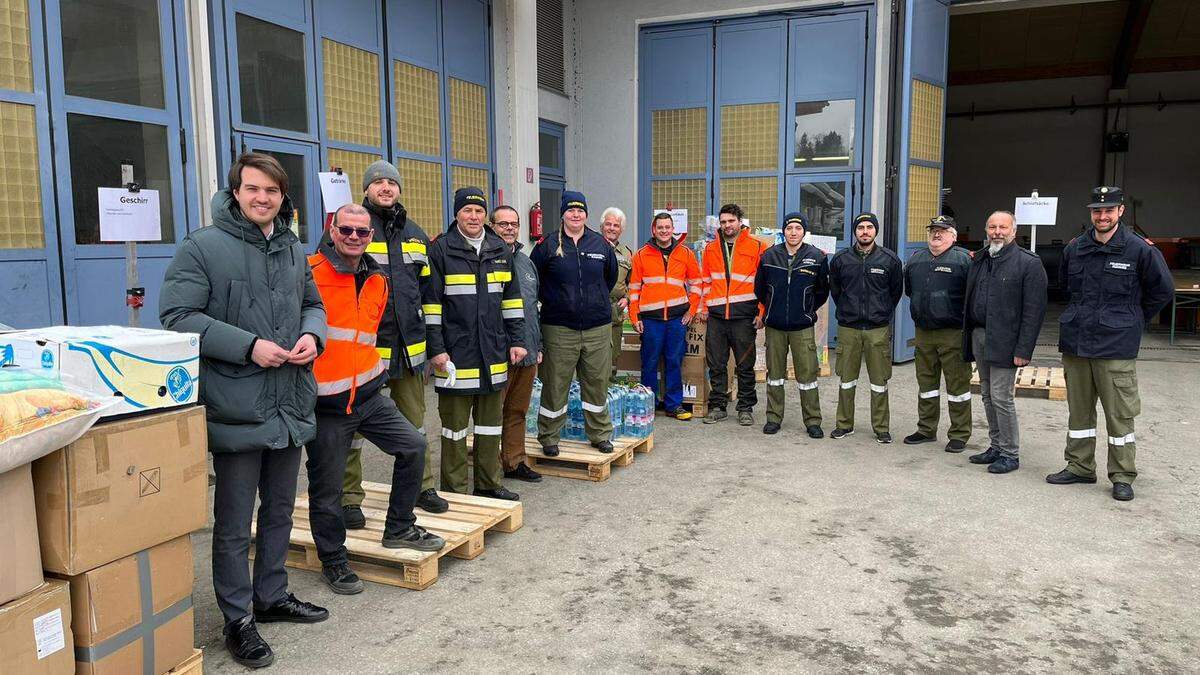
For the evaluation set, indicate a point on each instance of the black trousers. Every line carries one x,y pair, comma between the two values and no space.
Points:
379,421
722,337
242,476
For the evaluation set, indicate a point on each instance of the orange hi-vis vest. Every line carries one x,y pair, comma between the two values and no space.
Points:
663,287
732,296
350,358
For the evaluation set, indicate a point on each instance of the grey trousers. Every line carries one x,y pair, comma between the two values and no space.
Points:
241,476
996,387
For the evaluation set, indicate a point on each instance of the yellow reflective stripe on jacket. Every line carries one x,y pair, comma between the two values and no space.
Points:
500,276
417,348
410,247
499,368
431,309
425,270
460,279
377,247
513,303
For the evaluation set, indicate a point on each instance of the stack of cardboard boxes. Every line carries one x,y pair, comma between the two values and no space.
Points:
108,517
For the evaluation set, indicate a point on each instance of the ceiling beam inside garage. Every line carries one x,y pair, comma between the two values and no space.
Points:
1131,36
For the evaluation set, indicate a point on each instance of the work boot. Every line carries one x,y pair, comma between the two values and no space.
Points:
1122,492
523,472
840,433
246,646
986,457
680,414
414,537
814,431
956,446
1004,464
550,450
499,493
291,610
771,428
918,437
430,501
603,446
715,415
883,437
341,579
745,418
353,518
1065,477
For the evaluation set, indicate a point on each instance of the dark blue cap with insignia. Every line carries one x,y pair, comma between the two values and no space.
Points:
1106,196
943,222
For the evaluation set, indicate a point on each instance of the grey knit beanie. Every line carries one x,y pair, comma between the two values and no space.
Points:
381,169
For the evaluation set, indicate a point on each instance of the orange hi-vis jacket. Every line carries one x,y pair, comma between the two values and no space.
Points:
732,296
350,358
664,287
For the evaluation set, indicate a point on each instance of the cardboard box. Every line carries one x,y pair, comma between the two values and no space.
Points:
148,369
132,608
20,557
35,632
123,487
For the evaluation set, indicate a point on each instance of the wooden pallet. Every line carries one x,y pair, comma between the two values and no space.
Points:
699,408
462,527
1033,382
192,665
577,459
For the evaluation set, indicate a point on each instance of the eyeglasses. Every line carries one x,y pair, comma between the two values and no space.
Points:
362,232
507,224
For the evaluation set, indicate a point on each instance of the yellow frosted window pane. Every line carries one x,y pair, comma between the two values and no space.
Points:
468,122
354,165
682,194
16,68
756,196
351,94
924,192
423,196
678,141
462,176
928,112
750,137
417,109
20,180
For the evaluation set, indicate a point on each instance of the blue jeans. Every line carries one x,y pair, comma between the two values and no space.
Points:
665,341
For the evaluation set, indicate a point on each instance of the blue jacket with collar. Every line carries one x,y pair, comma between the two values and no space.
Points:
575,279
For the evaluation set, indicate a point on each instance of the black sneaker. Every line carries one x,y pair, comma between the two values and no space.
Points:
523,472
291,610
1065,477
353,518
341,579
883,437
550,450
246,646
771,428
986,457
1122,492
918,437
603,446
498,493
1004,464
430,501
956,446
415,537
814,431
840,433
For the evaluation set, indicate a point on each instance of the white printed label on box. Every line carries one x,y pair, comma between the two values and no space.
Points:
689,391
48,633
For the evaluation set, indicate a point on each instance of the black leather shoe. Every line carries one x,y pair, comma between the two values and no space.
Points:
430,501
1122,492
956,446
1065,477
771,428
883,437
414,537
918,437
550,450
246,646
603,446
814,431
523,472
986,457
499,493
1004,465
840,433
291,610
353,518
341,579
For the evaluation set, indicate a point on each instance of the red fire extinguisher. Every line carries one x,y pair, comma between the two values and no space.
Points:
535,222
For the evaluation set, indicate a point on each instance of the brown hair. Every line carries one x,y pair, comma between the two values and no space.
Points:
733,210
264,163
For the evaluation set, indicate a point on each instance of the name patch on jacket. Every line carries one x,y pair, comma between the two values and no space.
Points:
1117,265
942,268
877,270
595,256
809,261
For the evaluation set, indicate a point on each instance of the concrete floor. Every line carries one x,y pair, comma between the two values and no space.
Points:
726,550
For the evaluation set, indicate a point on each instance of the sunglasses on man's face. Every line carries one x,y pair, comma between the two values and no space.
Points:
362,232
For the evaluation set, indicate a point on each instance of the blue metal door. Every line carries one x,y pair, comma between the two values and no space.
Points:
921,133
299,160
826,200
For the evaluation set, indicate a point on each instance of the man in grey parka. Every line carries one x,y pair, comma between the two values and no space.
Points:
245,286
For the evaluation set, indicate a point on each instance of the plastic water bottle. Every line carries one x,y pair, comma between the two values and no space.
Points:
575,427
535,402
616,409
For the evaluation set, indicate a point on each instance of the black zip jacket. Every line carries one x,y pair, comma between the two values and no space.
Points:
575,285
1116,289
405,263
792,289
866,290
936,287
1015,304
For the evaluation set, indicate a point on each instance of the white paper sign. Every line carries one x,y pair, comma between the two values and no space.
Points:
48,633
1036,210
335,190
129,216
689,391
679,218
824,242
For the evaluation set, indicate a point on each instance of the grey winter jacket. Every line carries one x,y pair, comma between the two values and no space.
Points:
231,285
527,275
